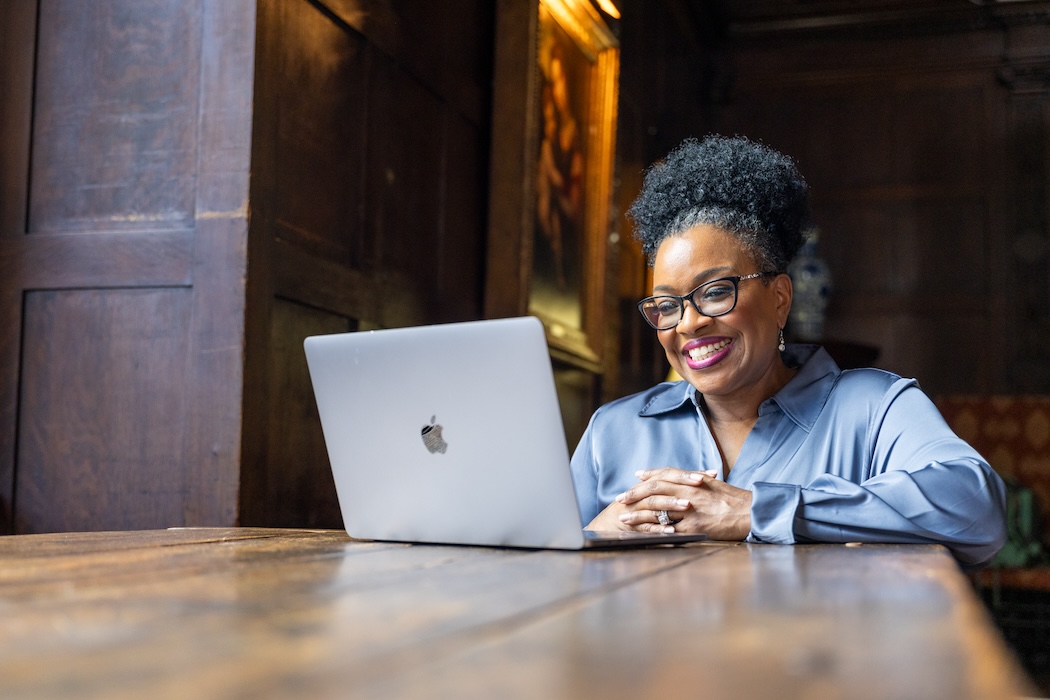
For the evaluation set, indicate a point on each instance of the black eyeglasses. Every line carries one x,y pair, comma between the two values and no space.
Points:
715,298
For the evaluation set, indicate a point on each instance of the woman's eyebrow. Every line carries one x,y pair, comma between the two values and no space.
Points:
696,278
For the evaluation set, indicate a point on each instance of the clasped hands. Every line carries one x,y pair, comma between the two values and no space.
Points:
694,502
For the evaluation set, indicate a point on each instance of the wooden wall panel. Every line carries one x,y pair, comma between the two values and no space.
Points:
461,267
299,490
404,176
368,180
122,154
102,435
898,161
321,69
17,60
1026,267
512,170
17,21
914,253
130,129
220,266
123,231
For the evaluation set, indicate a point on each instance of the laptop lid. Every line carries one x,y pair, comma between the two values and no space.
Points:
447,433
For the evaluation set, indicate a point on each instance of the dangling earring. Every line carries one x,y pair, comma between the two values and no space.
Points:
781,347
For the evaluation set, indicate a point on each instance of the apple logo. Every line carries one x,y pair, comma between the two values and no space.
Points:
432,437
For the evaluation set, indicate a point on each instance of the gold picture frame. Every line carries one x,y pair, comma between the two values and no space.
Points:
578,63
553,154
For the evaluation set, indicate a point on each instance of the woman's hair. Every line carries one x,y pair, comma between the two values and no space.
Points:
741,187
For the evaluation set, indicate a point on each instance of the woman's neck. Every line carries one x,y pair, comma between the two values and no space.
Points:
742,407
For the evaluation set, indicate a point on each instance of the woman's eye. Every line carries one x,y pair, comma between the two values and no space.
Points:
718,291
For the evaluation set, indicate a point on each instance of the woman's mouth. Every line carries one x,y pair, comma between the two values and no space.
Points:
705,354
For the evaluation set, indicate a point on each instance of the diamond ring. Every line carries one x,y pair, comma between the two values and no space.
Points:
663,517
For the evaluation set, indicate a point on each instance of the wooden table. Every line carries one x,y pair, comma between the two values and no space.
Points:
252,613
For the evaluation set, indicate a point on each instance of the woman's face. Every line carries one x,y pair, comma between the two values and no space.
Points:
728,355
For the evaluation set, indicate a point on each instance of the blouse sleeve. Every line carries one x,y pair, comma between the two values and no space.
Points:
924,485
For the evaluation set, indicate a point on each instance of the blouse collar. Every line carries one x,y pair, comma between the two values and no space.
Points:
801,399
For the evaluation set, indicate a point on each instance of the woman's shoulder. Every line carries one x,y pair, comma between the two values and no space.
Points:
873,379
877,389
820,377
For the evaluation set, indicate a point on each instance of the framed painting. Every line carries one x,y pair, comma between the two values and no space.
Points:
577,61
555,98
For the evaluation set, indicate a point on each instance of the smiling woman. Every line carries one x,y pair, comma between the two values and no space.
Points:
763,441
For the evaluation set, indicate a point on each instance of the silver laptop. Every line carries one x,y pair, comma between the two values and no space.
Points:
451,434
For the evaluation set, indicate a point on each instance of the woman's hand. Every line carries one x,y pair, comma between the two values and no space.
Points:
694,501
621,515
609,519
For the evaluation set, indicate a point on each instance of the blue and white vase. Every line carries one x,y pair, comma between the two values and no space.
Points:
811,280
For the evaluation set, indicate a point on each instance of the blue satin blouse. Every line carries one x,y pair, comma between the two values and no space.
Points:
836,456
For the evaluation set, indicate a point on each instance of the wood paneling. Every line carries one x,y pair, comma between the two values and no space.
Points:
368,179
321,72
302,494
17,22
101,443
898,146
512,171
123,232
404,172
137,255
461,266
122,154
1026,253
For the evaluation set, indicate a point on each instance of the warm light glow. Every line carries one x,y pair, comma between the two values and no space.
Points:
609,8
581,21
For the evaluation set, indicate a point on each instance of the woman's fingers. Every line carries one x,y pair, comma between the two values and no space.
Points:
666,482
676,476
663,499
662,511
658,503
656,527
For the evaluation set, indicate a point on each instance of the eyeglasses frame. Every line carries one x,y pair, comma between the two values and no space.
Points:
735,279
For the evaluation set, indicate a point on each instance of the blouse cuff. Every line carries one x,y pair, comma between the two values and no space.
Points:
773,508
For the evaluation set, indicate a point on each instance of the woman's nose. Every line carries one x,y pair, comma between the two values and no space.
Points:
691,320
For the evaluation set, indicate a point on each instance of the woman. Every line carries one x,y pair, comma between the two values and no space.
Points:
765,442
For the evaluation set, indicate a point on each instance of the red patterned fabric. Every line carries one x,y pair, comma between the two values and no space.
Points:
1012,433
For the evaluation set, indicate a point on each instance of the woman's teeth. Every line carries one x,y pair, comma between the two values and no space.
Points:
703,352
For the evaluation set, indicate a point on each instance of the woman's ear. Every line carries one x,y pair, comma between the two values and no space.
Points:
783,292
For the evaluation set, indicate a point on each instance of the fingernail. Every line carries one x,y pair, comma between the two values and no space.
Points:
696,476
681,503
669,530
642,473
621,498
711,472
624,517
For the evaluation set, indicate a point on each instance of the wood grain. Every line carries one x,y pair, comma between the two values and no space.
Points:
122,154
216,613
124,387
369,154
123,228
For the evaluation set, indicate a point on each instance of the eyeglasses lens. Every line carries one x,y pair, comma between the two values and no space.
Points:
711,299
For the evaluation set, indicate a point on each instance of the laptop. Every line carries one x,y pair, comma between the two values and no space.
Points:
452,434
